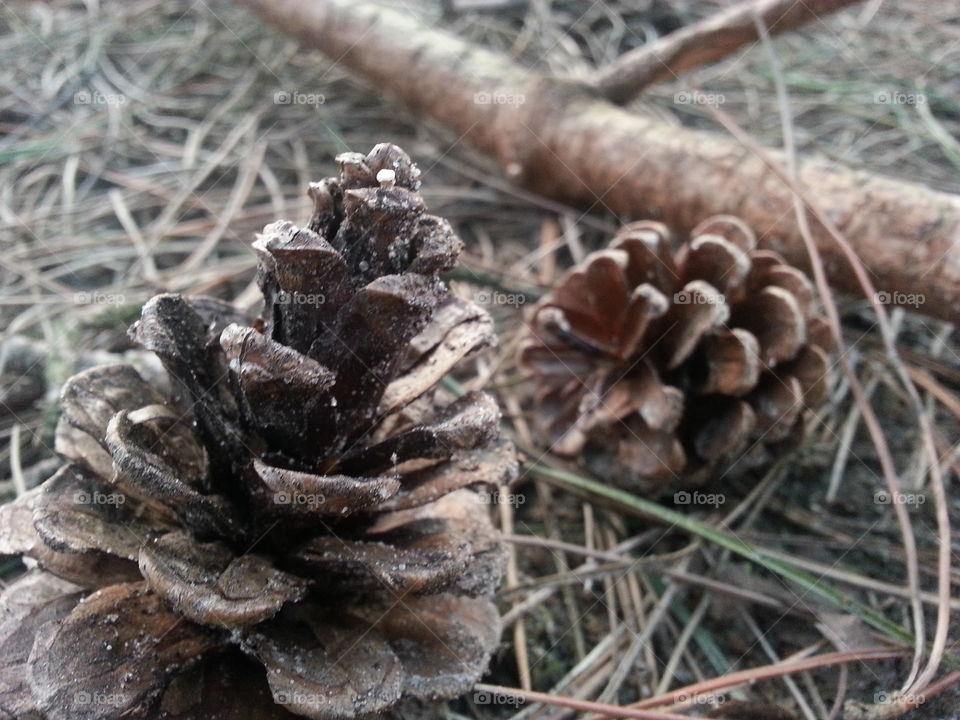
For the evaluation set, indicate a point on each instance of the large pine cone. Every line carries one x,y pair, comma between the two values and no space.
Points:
658,366
301,504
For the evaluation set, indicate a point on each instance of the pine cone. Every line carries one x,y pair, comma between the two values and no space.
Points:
657,366
300,504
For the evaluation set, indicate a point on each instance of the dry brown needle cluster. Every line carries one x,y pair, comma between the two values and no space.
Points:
292,531
659,365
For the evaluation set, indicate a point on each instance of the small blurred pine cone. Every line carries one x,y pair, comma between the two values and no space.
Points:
658,367
292,532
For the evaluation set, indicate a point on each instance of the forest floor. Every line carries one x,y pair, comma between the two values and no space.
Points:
141,148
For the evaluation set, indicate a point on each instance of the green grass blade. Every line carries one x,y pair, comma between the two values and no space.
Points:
726,540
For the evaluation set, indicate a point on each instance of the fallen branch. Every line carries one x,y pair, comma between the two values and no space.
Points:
560,139
703,43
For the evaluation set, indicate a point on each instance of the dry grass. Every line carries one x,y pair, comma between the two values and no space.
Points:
143,145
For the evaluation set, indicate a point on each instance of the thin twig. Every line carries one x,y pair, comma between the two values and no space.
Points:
703,43
873,424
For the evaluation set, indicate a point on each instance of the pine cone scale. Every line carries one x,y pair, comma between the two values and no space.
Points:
327,667
34,600
441,640
139,642
206,583
66,523
472,331
333,495
732,362
495,464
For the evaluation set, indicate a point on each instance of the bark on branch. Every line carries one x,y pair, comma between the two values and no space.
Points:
564,141
702,43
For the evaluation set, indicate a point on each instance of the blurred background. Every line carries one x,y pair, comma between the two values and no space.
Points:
143,143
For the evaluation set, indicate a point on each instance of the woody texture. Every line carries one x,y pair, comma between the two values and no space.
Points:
290,529
661,366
